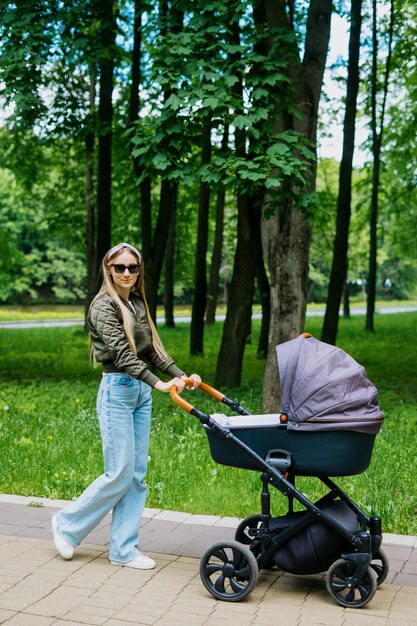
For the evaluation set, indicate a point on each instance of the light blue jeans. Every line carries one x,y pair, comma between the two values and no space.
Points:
124,410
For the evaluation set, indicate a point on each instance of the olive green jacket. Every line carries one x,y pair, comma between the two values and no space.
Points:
112,349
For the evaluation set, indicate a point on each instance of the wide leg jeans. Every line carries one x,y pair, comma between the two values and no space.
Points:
124,409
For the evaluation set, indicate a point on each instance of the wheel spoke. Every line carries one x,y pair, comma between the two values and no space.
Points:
243,572
221,554
219,584
350,597
211,568
363,589
338,586
236,586
237,558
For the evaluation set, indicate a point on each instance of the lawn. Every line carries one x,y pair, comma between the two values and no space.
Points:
50,445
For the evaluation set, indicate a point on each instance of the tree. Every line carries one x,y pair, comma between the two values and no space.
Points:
287,233
106,14
338,272
216,257
200,283
376,153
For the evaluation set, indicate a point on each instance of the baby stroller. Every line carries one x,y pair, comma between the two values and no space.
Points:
327,426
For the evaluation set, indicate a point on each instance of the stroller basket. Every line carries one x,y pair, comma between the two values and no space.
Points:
303,453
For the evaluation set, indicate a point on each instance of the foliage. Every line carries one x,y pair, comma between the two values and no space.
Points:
49,51
50,441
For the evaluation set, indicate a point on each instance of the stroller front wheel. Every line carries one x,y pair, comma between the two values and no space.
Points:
229,571
337,583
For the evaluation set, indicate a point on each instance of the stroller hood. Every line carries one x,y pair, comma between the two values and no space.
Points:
323,388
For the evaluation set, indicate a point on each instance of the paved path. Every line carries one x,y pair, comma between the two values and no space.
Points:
182,319
39,588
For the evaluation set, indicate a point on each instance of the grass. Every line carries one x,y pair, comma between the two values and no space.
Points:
50,444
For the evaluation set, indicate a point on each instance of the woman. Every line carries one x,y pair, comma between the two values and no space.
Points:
124,339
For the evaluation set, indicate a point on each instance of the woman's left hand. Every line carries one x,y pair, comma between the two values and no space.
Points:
195,378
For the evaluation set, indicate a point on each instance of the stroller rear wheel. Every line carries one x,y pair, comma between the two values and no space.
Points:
246,527
380,565
337,583
229,571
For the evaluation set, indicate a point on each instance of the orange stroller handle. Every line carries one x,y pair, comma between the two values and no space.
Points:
175,396
211,391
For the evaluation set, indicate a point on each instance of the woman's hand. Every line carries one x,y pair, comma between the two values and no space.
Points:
166,387
195,378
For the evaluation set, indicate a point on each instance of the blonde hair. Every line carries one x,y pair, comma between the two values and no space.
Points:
108,288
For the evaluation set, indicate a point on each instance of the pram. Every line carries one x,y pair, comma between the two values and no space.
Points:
327,427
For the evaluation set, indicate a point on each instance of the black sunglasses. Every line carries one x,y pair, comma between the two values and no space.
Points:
119,268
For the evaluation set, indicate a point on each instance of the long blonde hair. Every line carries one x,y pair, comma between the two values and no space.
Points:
108,288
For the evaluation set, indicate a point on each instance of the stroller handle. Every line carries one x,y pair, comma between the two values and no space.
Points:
175,396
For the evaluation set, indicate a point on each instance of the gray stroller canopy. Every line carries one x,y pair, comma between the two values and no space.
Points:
323,388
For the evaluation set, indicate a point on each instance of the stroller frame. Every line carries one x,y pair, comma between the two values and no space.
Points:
351,580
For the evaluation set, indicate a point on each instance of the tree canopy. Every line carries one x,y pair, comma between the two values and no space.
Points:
121,119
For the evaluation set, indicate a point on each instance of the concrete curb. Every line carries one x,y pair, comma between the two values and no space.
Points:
406,541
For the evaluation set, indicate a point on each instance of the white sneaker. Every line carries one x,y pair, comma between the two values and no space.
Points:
141,561
64,548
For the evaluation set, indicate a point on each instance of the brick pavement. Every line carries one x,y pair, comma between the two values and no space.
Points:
39,588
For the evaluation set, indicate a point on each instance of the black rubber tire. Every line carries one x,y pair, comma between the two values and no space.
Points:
380,565
354,597
229,571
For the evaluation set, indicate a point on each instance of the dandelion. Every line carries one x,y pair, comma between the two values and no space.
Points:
213,472
49,437
149,459
77,400
5,408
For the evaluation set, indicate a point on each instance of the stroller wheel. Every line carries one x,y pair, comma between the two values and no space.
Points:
229,571
380,565
243,531
352,597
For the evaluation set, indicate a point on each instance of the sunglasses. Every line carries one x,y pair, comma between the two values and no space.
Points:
119,268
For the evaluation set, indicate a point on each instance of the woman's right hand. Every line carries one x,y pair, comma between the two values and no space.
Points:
166,387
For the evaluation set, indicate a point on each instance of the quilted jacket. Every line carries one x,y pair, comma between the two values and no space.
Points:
112,349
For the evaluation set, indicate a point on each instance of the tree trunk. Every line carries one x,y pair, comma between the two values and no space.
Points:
238,318
200,282
264,294
134,107
89,201
240,295
156,262
106,15
167,201
338,272
346,303
169,266
376,151
216,257
287,234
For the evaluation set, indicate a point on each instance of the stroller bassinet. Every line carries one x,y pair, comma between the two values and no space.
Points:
328,421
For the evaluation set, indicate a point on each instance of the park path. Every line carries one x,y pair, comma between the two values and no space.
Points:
186,319
39,588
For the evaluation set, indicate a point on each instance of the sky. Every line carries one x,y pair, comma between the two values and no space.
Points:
331,140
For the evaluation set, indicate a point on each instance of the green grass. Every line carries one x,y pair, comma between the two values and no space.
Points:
50,444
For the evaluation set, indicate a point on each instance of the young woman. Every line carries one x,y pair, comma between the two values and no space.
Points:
124,339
